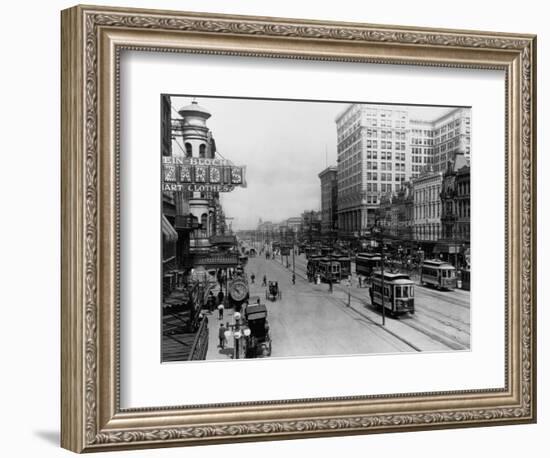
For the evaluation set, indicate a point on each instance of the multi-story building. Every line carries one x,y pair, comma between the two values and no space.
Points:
311,229
455,211
421,141
437,142
202,206
427,205
372,160
462,225
329,198
451,137
294,224
381,147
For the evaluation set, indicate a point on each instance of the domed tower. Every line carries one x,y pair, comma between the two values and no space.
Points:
195,133
198,143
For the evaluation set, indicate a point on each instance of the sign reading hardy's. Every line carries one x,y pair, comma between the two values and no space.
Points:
201,175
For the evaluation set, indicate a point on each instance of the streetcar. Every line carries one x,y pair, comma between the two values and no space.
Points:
329,271
345,265
439,274
397,289
366,263
312,251
465,279
313,265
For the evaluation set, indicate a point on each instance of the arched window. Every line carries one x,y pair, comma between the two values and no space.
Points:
188,150
202,150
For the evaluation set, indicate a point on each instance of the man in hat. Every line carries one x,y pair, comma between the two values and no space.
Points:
221,336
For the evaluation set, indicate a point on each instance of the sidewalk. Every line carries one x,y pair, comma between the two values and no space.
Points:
214,351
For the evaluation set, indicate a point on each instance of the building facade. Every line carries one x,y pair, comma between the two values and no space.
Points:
203,207
311,229
451,137
382,147
294,224
329,199
372,161
455,200
427,206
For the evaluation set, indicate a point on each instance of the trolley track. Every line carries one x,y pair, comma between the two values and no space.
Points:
340,302
447,339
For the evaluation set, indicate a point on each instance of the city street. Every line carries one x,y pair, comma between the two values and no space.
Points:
393,175
310,321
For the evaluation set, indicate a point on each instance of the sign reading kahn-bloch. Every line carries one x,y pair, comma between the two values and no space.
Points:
201,175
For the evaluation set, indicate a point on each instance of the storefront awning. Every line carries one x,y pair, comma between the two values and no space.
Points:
168,230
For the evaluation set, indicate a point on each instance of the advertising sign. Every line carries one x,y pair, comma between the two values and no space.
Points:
201,175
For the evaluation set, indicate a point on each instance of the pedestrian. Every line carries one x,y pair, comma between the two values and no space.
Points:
220,311
220,296
264,281
210,301
252,277
360,282
293,279
221,336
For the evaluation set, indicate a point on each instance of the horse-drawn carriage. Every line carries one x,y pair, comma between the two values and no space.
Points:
258,343
273,292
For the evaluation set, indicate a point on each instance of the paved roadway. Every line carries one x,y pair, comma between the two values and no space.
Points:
309,321
441,321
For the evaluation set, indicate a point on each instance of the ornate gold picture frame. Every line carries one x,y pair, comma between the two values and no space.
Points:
92,41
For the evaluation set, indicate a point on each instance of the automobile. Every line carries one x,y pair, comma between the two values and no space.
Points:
273,292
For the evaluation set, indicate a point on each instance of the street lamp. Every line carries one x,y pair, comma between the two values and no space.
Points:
238,331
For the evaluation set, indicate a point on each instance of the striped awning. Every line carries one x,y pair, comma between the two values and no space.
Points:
168,230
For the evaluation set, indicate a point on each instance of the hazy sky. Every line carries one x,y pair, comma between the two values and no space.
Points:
284,145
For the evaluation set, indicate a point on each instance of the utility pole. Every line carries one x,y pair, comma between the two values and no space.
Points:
330,258
293,262
382,268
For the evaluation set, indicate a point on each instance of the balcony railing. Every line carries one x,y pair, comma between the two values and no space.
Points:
200,344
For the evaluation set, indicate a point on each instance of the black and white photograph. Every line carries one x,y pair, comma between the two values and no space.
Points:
303,228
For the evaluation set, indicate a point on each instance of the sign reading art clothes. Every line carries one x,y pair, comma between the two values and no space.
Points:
201,175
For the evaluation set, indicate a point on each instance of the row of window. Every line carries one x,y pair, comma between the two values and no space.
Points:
373,122
373,112
421,160
452,125
420,132
427,194
399,166
427,232
461,209
348,141
463,189
373,144
427,210
420,141
417,150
